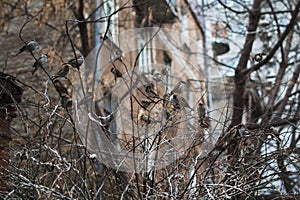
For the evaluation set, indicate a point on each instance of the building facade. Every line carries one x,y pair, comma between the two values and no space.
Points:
148,49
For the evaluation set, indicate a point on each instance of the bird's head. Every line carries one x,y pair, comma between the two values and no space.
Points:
45,56
33,43
80,58
149,87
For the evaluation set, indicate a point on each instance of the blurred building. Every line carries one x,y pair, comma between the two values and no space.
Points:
156,44
167,46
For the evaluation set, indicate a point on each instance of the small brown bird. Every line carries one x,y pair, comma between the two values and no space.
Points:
40,62
205,122
203,119
76,62
156,75
180,102
29,47
258,57
146,119
116,73
201,110
63,72
150,92
165,71
179,87
145,103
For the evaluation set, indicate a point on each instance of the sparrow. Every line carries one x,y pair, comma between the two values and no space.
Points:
205,122
258,57
145,103
146,119
179,101
201,110
165,71
178,87
167,98
150,92
156,75
29,47
76,62
116,73
43,59
63,72
203,119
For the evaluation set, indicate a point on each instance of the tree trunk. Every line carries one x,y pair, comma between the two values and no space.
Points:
240,79
10,94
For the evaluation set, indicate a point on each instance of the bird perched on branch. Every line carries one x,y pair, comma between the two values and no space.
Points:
150,92
179,87
145,103
258,57
29,47
156,75
76,62
205,122
179,102
146,119
144,116
175,97
116,73
201,110
43,59
63,72
203,119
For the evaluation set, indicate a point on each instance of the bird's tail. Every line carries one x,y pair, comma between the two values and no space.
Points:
34,70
